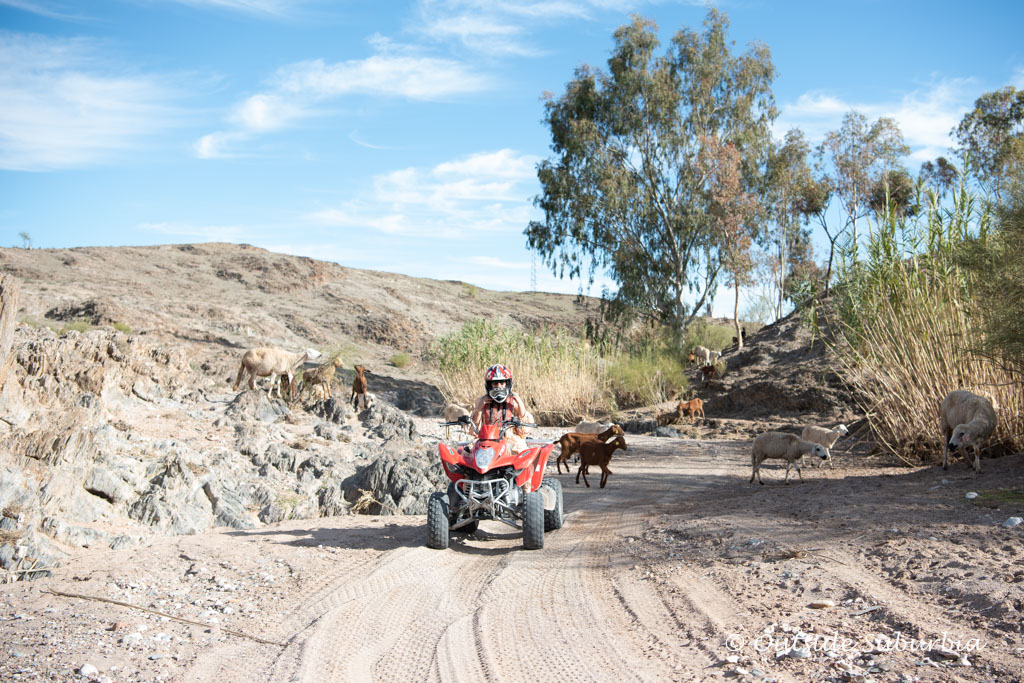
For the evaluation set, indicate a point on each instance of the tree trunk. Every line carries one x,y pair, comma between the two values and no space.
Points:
736,319
8,307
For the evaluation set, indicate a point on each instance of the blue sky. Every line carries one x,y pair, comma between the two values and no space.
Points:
401,136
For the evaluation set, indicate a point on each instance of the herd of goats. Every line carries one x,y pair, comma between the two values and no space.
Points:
966,419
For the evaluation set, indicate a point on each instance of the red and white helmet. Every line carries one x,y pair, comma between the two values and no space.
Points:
498,373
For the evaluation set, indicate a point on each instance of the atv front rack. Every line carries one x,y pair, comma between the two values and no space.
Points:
497,498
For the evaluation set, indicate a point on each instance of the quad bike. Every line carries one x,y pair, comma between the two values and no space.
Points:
489,481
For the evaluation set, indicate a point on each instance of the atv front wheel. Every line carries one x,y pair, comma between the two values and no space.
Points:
437,521
553,519
533,520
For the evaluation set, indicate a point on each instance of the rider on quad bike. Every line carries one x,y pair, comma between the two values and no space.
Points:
500,476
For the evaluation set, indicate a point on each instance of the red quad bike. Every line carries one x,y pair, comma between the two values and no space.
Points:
488,481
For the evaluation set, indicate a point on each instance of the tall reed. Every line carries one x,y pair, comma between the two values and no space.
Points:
912,329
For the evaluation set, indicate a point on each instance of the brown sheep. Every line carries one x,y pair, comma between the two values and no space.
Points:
600,454
967,420
570,443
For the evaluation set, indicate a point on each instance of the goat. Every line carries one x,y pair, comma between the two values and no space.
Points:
600,454
967,421
318,379
691,409
570,443
826,437
359,388
264,362
708,372
591,427
452,413
782,446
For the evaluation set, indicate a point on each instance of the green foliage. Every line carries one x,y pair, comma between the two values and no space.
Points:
123,327
991,139
912,317
709,335
400,360
469,290
1012,497
626,193
76,326
647,377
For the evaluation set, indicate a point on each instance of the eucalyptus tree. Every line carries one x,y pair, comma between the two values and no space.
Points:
858,154
624,193
990,140
788,175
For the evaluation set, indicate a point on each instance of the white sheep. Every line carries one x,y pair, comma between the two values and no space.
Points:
264,362
714,356
701,355
967,420
591,427
782,446
452,413
825,436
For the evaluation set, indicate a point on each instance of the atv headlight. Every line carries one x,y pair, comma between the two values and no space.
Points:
484,458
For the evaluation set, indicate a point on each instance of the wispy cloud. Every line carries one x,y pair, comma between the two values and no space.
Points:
925,116
482,192
65,105
202,233
299,90
268,7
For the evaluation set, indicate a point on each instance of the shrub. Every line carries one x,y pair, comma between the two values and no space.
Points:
400,360
123,327
76,326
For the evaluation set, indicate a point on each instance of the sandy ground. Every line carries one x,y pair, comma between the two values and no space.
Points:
678,570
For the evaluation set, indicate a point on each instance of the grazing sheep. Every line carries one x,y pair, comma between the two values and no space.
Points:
691,409
967,421
359,388
319,379
264,362
570,443
782,446
701,355
452,413
825,436
600,454
714,356
591,427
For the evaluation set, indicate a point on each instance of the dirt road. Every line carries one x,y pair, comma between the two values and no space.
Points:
678,570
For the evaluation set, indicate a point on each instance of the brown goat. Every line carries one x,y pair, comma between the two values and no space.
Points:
359,387
319,379
708,372
570,443
600,454
691,409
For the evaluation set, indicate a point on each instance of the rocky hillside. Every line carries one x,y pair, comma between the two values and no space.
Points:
118,418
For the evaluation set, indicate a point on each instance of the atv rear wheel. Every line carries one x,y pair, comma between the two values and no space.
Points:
553,519
533,520
437,521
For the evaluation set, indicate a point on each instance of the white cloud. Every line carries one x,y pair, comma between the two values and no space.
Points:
65,106
1017,79
271,7
491,262
52,10
299,89
488,192
925,116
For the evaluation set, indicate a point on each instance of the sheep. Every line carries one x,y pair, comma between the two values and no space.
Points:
319,379
591,427
826,437
600,454
700,354
570,443
714,356
967,421
264,362
783,446
452,413
359,388
691,408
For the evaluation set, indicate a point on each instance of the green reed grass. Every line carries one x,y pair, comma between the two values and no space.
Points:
912,330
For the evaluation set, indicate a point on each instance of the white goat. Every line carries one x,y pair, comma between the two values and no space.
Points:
782,446
825,436
264,362
967,420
